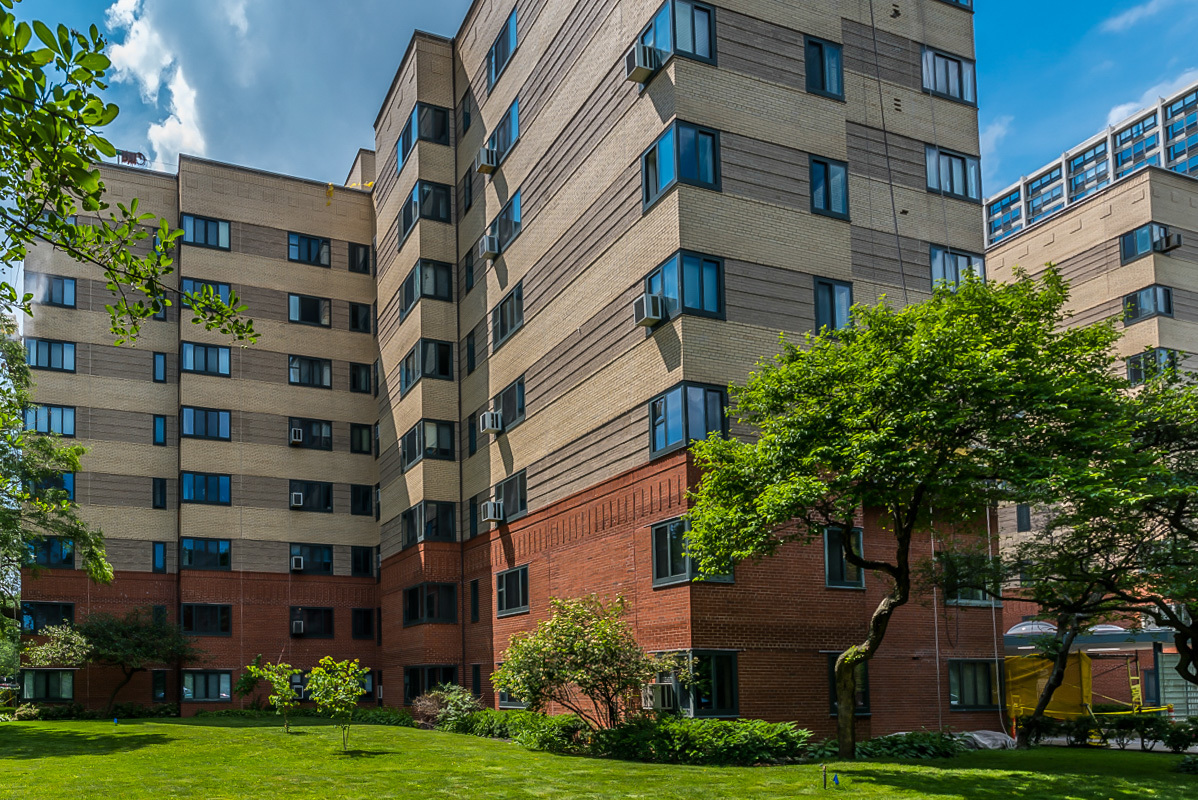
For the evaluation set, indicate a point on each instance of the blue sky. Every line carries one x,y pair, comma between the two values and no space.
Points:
293,86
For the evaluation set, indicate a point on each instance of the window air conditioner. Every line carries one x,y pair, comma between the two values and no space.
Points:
657,697
1167,243
490,422
297,563
297,499
297,627
493,511
487,161
297,435
640,63
648,310
488,248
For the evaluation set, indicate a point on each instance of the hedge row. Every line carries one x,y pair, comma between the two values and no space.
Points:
1150,729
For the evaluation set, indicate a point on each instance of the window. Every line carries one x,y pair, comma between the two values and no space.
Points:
501,51
833,300
205,359
46,354
36,616
951,267
476,679
671,564
973,685
361,561
506,133
691,34
472,434
430,123
1089,171
686,412
359,378
376,454
713,691
470,353
56,291
317,622
512,591
306,310
507,225
1023,518
159,430
467,192
308,249
430,602
507,317
966,578
469,266
685,153
954,174
513,493
838,572
428,521
315,434
206,232
428,439
829,188
359,258
305,371
428,201
204,289
861,701
318,558
51,419
431,279
315,496
510,403
159,310
205,423
360,318
159,493
158,556
1151,302
64,482
361,438
47,684
160,368
361,501
474,600
428,359
1142,241
205,554
299,685
361,623
419,680
1145,366
961,3
949,76
378,494
825,72
207,686
207,620
203,487
690,283
158,686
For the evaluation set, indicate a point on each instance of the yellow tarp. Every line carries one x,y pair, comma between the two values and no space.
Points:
1026,677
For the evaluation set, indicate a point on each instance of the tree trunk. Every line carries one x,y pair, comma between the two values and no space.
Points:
128,677
1187,654
1055,679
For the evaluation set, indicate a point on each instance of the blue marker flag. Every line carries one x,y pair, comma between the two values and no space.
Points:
836,779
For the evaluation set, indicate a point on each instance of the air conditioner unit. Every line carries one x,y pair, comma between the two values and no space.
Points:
488,248
648,310
490,422
297,627
297,499
297,435
640,63
657,697
487,161
297,563
493,511
1167,243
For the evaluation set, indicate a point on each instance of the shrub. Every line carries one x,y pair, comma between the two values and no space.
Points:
1121,729
1040,729
917,744
26,712
564,733
364,716
824,750
457,703
489,723
1077,731
136,711
683,740
398,717
640,738
1188,765
1152,729
1179,737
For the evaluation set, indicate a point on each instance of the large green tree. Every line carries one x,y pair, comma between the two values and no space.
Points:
927,415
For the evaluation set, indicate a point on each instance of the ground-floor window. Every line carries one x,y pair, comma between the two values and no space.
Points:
207,686
419,680
974,685
862,700
713,688
48,684
158,685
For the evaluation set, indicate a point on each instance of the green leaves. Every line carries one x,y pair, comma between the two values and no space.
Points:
336,686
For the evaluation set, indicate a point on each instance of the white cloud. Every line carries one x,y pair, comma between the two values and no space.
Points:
1125,20
142,58
180,132
235,14
1149,98
990,138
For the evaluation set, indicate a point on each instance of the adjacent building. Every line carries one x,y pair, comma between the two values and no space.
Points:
481,359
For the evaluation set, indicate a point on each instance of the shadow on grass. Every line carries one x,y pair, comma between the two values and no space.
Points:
33,742
366,753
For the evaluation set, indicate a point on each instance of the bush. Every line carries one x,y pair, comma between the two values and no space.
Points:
1180,737
26,712
1077,731
824,750
640,738
917,744
453,704
1121,729
363,716
489,723
135,711
564,733
681,740
1188,765
1152,729
1040,729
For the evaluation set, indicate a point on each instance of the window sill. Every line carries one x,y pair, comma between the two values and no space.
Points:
849,588
670,583
974,603
950,98
819,212
973,708
512,613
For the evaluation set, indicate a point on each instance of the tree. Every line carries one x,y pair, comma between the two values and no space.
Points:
132,644
336,686
928,415
278,676
584,658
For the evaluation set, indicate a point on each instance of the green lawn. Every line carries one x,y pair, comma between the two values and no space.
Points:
234,758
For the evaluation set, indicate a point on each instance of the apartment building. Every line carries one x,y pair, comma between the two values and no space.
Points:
587,218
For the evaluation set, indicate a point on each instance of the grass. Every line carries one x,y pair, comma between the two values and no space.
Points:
246,758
